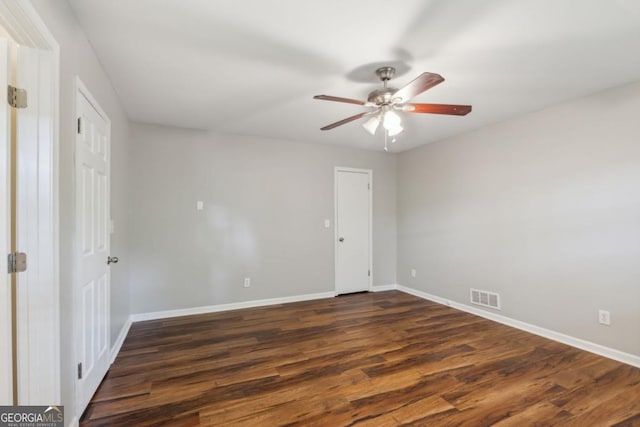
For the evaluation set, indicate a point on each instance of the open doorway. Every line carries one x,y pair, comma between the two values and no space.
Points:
30,365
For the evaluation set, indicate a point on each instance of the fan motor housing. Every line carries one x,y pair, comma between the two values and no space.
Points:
382,96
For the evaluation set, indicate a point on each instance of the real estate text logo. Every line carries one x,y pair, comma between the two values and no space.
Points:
31,416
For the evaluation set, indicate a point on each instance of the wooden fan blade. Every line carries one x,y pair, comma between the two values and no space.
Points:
345,121
422,83
338,99
454,110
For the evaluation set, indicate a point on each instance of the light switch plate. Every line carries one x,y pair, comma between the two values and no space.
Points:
327,223
199,205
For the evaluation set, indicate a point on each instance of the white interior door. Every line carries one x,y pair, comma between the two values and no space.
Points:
92,209
353,230
6,368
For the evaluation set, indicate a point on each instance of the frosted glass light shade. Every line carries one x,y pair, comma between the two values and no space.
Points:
392,122
391,119
394,130
371,125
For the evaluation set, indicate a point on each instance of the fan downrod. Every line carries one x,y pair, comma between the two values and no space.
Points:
381,97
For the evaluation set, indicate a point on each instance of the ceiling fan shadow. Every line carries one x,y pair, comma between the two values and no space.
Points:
247,43
439,22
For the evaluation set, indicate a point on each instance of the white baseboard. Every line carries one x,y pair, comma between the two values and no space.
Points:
225,307
598,349
115,349
382,288
140,317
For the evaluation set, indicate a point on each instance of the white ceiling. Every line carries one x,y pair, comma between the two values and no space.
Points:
251,67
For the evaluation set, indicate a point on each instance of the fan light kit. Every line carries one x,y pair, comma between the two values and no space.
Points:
386,102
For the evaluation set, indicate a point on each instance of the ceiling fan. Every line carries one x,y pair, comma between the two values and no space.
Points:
388,100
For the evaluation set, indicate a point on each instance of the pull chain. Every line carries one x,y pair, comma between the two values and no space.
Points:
386,136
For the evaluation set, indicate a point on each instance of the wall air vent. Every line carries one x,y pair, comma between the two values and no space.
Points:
485,298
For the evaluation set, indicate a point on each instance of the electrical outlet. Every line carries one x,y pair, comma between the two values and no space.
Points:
247,282
604,317
413,273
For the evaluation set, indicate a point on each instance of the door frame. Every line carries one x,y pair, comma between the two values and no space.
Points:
369,172
39,368
81,90
6,350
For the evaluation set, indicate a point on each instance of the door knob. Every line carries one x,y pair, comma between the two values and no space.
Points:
112,260
341,239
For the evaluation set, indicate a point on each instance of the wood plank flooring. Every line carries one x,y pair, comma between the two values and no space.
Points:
372,359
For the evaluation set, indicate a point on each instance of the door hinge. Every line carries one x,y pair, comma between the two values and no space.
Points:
16,97
79,125
368,186
17,262
369,273
79,371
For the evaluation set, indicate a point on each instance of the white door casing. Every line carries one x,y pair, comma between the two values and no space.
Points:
353,216
35,287
6,349
92,244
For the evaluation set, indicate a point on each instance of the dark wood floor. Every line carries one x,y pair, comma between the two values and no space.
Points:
383,359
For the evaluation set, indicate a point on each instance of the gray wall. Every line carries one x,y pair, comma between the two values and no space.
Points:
78,58
265,203
544,209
